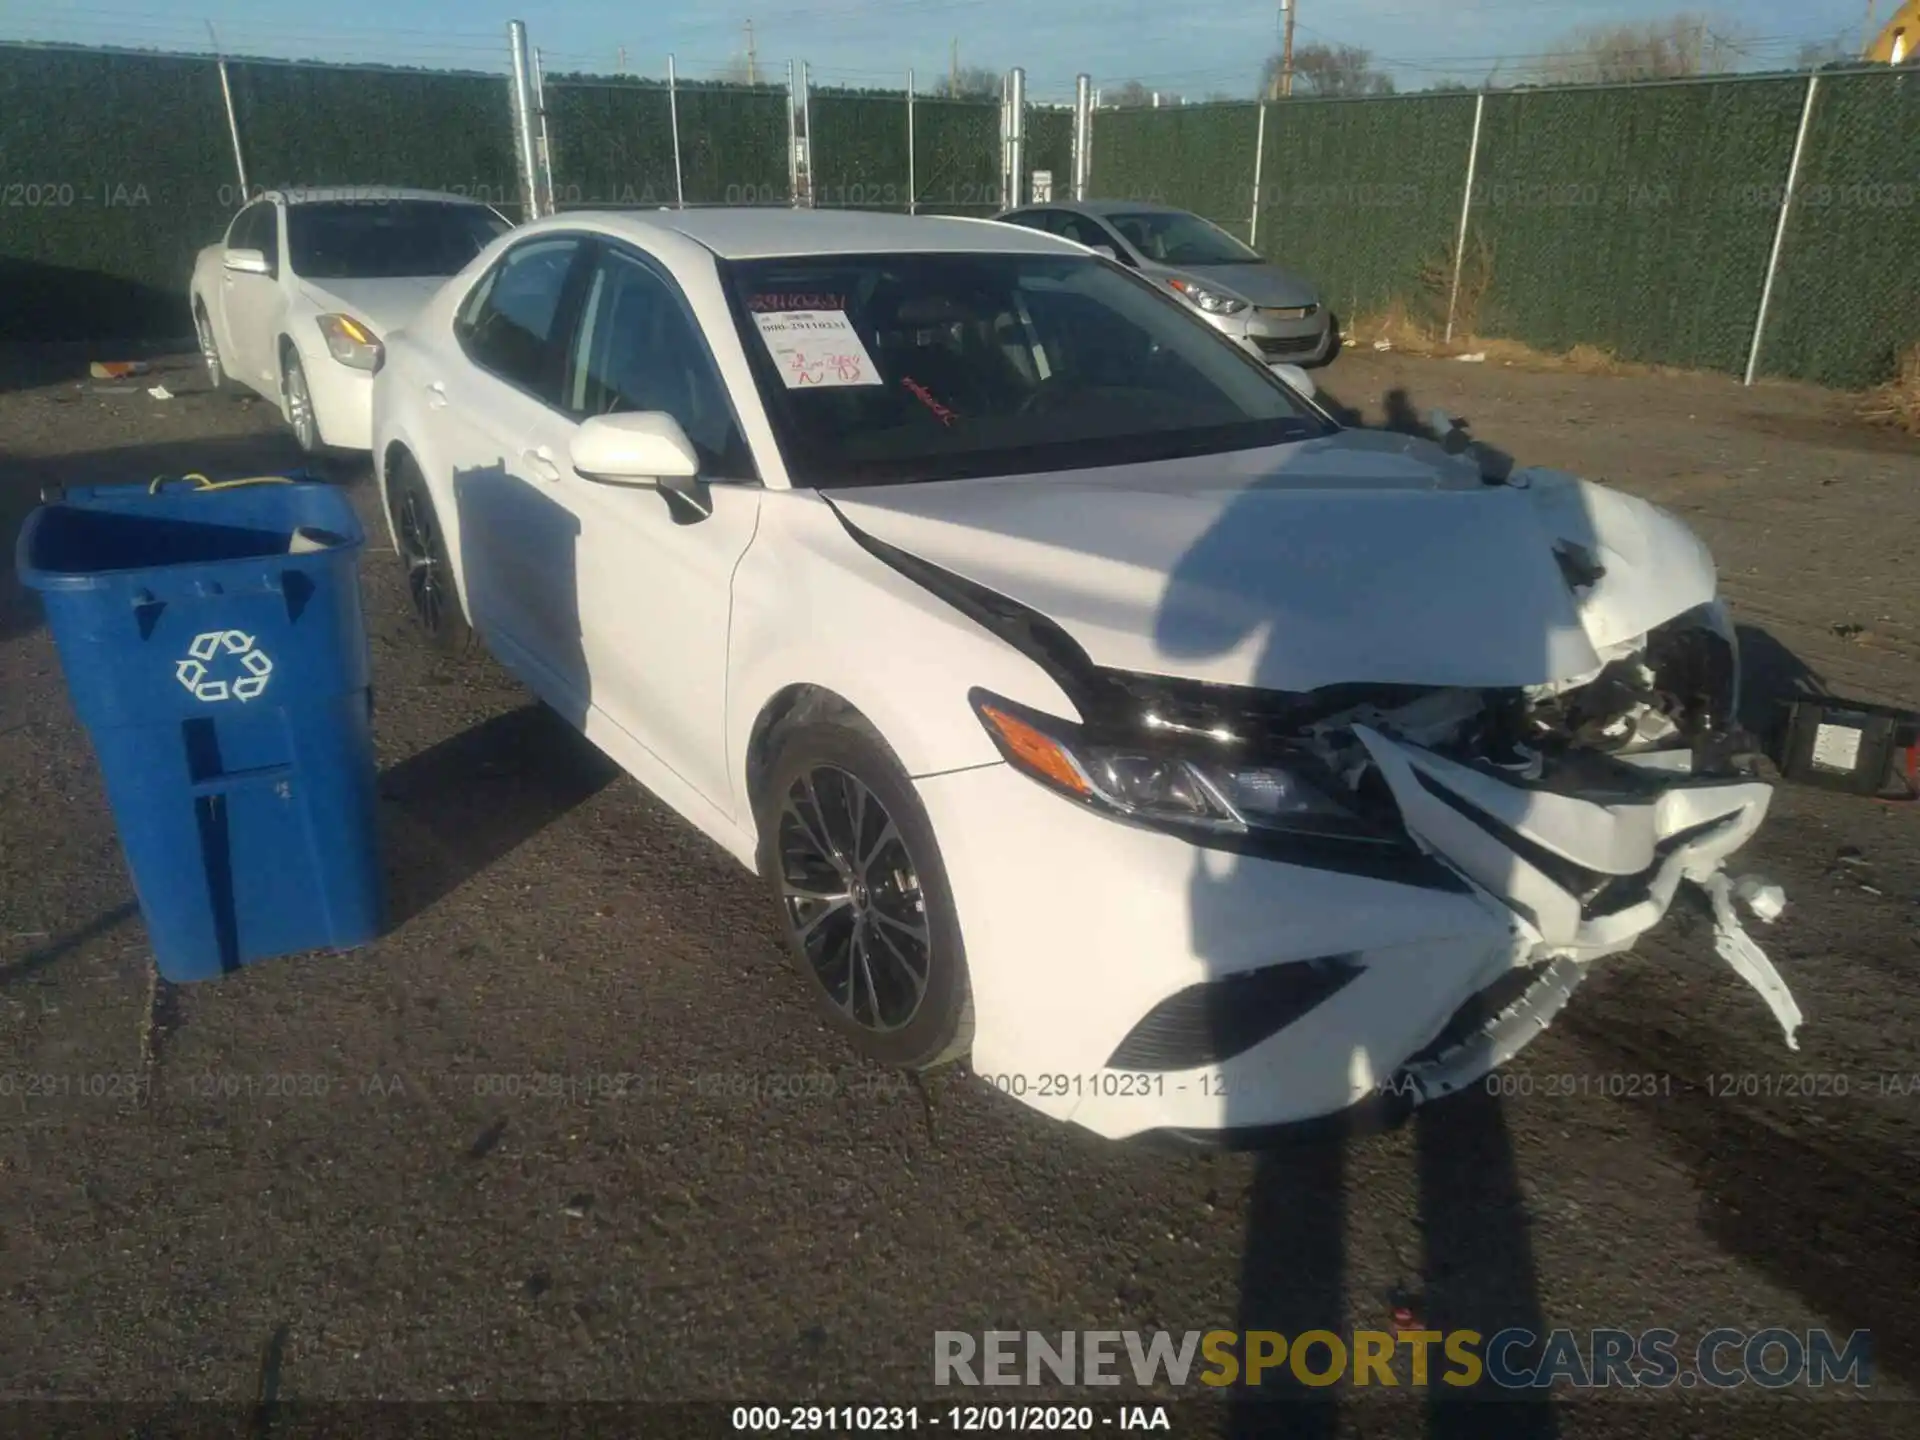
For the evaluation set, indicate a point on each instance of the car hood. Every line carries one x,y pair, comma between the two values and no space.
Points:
1257,284
1361,557
386,305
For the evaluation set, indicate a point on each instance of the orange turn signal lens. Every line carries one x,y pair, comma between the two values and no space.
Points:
1038,752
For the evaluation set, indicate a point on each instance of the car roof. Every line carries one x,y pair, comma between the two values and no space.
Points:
1107,207
324,194
744,233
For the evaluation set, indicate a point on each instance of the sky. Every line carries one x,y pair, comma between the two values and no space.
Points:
1218,47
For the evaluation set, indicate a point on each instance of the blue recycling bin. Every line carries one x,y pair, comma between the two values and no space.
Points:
214,648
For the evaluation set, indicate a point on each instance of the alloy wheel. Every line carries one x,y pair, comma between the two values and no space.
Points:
852,900
300,407
426,580
209,352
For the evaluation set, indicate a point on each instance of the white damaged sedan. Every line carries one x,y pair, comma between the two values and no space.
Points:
1087,699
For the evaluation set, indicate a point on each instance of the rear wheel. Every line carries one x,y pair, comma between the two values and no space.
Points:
437,612
857,881
218,380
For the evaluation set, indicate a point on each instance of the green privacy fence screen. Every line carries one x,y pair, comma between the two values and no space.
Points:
304,125
611,143
102,205
1846,300
1636,219
956,156
1360,195
1198,157
858,150
1050,148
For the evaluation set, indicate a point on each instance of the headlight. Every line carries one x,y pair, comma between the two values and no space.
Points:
1210,301
1160,787
350,342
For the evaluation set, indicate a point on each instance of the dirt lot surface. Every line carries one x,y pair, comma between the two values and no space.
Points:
310,1181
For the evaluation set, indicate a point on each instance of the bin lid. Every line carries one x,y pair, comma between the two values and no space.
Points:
104,534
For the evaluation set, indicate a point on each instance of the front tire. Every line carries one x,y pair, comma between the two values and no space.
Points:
855,874
438,616
297,404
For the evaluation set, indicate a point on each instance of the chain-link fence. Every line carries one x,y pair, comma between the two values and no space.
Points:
1656,221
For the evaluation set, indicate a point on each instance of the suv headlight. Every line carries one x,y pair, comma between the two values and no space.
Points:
1211,301
350,342
1164,787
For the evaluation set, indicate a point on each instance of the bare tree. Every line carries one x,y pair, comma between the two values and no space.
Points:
976,82
1818,54
1669,49
1328,70
1131,95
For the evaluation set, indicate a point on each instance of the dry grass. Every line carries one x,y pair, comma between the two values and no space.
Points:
1897,403
1408,333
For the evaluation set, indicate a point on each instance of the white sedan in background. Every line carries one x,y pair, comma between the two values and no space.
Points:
294,302
1087,699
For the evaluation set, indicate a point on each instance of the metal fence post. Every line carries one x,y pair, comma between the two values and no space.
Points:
1259,162
233,129
1016,136
673,123
793,140
913,184
543,170
806,120
1780,228
523,116
1466,212
1082,133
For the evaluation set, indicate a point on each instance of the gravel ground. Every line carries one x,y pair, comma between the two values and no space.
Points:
310,1181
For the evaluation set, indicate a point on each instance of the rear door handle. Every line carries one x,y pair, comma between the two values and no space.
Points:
436,395
541,462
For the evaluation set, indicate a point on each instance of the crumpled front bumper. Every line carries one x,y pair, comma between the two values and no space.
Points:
1105,956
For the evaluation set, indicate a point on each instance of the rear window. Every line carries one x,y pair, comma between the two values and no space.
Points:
387,239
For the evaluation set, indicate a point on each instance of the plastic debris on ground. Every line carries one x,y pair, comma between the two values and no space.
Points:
1765,899
160,392
1383,344
1733,945
1476,358
116,369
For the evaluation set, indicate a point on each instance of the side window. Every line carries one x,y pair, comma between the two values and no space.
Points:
267,233
637,349
507,324
1031,219
1089,231
244,233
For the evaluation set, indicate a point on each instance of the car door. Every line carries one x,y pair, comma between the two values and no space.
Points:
253,304
497,424
656,574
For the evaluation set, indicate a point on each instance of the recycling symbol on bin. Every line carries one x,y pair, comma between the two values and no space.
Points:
214,661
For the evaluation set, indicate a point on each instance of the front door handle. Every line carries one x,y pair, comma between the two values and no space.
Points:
541,462
436,396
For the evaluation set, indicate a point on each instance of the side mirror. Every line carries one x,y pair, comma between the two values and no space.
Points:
248,262
1297,378
637,448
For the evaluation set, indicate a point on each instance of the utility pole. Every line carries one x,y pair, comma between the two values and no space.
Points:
622,68
1286,47
753,59
953,70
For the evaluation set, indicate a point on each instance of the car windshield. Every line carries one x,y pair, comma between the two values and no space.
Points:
386,239
877,369
1173,237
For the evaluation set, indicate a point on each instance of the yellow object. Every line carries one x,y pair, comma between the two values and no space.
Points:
201,482
1902,34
